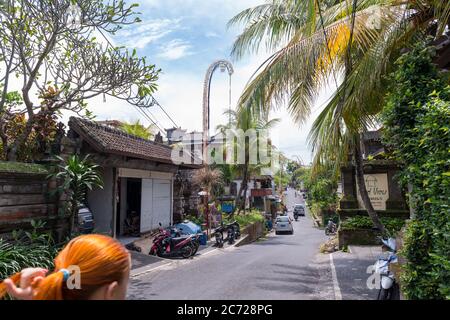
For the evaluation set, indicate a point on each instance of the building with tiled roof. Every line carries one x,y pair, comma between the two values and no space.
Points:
138,175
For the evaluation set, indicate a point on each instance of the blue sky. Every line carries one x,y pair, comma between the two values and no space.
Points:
183,37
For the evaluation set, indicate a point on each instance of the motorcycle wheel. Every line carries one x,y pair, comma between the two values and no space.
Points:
219,240
187,251
237,233
196,245
159,253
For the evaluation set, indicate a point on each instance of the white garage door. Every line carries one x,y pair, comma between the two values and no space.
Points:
147,205
155,204
161,202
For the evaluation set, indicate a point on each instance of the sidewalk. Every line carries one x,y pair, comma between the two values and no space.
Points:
351,271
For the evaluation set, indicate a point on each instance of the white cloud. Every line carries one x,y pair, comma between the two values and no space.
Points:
211,35
175,49
143,34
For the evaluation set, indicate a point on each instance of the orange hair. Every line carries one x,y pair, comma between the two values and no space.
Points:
101,259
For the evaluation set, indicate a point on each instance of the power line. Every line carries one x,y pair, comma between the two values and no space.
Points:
150,101
159,105
148,118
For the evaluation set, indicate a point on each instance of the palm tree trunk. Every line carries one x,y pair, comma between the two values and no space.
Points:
362,187
241,194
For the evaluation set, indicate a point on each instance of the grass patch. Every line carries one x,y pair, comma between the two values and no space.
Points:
20,167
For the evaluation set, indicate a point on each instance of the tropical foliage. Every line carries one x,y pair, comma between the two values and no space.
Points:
247,219
393,225
137,129
13,123
76,176
349,43
207,179
63,62
242,121
417,127
27,249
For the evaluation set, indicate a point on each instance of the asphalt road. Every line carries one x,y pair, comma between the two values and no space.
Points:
280,267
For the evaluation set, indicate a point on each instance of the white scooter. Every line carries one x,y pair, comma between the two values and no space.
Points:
389,289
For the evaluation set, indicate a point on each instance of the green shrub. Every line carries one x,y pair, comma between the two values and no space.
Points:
28,249
417,127
393,225
246,219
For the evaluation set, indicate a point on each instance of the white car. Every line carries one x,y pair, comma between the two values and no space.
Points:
283,224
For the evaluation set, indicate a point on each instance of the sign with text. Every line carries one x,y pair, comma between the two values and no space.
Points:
378,189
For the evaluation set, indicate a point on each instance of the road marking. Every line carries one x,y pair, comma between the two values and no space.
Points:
337,290
150,270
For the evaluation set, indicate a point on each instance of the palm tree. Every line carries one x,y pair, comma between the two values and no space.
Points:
350,43
246,119
207,178
137,129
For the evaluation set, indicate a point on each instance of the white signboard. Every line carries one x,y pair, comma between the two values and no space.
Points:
377,187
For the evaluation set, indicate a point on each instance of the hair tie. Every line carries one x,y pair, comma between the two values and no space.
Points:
66,274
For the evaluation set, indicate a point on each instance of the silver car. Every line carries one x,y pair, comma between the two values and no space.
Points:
283,224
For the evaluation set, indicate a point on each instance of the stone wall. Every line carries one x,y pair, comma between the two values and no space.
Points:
25,196
357,237
252,233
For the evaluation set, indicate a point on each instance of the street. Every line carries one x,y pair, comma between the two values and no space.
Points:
278,267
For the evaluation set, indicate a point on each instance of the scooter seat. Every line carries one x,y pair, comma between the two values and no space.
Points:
179,239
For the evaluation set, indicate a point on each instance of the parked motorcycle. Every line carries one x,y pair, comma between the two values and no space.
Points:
389,289
177,233
237,229
331,228
233,232
218,235
164,245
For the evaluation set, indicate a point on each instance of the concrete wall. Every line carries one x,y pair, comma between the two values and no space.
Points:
100,202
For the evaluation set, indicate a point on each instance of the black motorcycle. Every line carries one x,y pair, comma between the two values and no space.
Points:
218,234
233,232
237,229
296,216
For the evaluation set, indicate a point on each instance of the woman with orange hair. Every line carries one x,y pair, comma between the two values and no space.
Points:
100,263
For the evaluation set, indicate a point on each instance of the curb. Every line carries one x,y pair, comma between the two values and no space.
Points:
242,242
142,270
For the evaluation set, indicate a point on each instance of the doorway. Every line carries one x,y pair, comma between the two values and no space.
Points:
129,207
